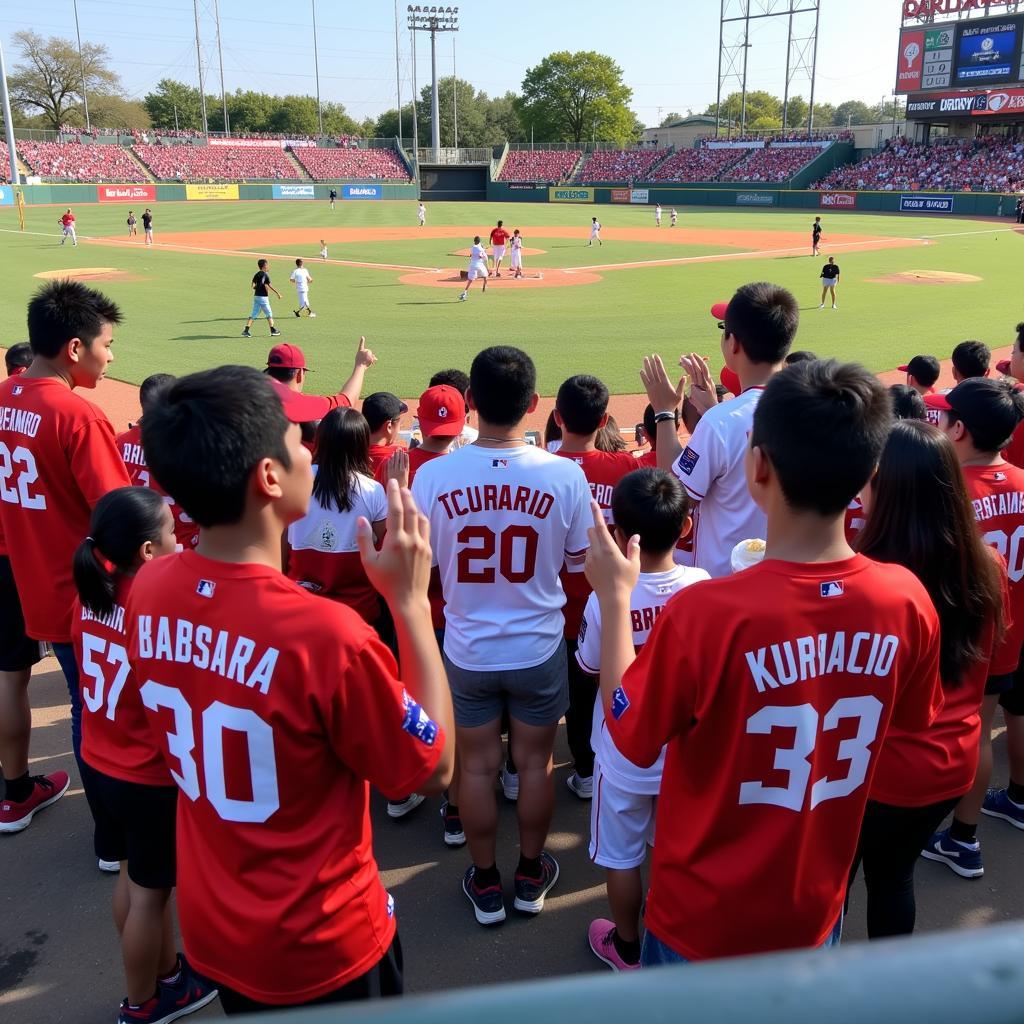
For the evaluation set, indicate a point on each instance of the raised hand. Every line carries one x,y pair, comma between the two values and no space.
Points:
364,356
661,393
702,388
610,573
398,467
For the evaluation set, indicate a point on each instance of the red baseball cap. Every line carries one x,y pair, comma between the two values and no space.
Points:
287,357
718,310
730,380
300,408
1003,366
441,412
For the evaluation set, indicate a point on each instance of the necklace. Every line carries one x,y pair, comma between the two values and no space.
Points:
501,440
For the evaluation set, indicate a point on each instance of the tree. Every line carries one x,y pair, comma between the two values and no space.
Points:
572,97
763,110
116,112
671,119
823,114
455,97
387,123
854,112
796,112
503,122
50,78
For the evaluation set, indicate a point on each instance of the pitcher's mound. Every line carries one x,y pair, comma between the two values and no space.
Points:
925,277
88,274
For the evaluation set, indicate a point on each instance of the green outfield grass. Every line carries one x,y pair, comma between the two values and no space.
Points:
184,311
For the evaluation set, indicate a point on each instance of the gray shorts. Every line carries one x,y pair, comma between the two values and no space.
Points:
534,696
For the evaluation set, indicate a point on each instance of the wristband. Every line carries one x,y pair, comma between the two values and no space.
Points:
661,417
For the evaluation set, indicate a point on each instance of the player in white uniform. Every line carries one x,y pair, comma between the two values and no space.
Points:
323,248
477,267
758,327
657,215
421,214
302,279
504,518
595,231
672,217
517,253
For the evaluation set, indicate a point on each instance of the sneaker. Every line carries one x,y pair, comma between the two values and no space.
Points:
962,858
110,867
462,297
581,785
400,808
274,332
530,892
822,306
999,805
47,789
188,994
295,311
312,316
601,936
246,333
835,307
509,784
453,831
488,904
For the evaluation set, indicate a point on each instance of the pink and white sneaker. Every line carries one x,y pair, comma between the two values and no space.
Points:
601,936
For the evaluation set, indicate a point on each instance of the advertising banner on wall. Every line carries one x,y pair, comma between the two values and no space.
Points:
926,204
362,191
126,193
755,198
620,195
837,200
211,191
570,195
639,195
293,191
6,195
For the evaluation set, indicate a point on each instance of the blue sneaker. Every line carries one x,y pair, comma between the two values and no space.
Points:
190,992
962,858
999,805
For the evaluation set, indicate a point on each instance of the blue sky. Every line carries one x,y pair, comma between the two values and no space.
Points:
669,59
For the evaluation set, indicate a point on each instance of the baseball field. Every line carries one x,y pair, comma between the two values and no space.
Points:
909,283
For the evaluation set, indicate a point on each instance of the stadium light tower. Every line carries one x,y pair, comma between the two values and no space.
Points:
433,20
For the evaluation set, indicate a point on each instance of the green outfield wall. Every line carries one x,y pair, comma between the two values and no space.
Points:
152,192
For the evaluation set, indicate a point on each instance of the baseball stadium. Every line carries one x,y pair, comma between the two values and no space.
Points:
615,258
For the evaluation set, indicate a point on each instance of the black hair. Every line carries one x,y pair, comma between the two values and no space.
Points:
476,239
298,262
65,309
261,264
582,402
552,431
18,356
153,389
342,451
651,428
763,318
822,425
204,439
907,403
921,517
500,222
972,358
285,374
652,504
457,379
502,383
1020,332
989,434
122,521
800,356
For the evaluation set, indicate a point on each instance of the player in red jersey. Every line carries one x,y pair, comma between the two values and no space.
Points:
499,239
824,648
57,459
914,504
979,416
275,709
581,411
129,444
383,412
130,792
67,223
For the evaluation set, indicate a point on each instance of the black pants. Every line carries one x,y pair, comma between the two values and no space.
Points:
891,840
385,979
579,719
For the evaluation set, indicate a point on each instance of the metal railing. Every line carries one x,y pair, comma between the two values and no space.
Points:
447,155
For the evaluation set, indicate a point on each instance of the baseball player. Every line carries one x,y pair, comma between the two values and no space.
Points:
421,214
815,236
657,215
333,196
147,225
829,281
67,223
132,230
499,237
323,248
517,253
261,300
302,279
477,266
672,217
595,232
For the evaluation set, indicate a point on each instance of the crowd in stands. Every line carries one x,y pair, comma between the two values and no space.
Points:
816,136
619,165
332,164
697,164
5,164
539,164
772,163
74,161
986,164
216,163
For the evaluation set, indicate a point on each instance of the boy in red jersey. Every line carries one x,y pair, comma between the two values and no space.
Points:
825,648
649,460
499,239
384,412
276,709
57,459
979,416
581,410
442,417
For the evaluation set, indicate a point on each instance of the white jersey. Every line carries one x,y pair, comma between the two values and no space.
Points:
477,254
657,214
422,213
650,595
502,522
711,469
300,275
595,229
332,531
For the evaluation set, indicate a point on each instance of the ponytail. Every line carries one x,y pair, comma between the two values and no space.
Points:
121,523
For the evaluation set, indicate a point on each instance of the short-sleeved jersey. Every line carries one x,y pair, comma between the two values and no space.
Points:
477,254
830,271
379,455
115,728
517,242
147,220
274,711
502,522
129,444
1014,451
57,459
499,236
419,456
649,460
711,469
603,471
773,735
997,497
323,553
67,219
816,229
649,597
261,281
300,278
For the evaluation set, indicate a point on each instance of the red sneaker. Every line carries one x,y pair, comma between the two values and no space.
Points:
48,789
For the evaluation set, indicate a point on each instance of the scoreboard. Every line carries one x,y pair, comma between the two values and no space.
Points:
961,54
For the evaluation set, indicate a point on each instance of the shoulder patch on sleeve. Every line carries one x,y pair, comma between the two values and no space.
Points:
620,703
687,462
417,722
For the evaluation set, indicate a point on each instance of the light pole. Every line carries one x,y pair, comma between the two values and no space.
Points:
5,109
220,55
316,70
199,59
398,85
81,66
433,20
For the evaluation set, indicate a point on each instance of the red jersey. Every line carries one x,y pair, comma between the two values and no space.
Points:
772,732
67,218
57,459
379,455
275,710
115,729
603,471
649,460
417,457
1014,451
499,236
129,444
997,496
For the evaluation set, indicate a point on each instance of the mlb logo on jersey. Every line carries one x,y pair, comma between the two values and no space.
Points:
688,460
833,589
17,389
205,588
499,463
620,703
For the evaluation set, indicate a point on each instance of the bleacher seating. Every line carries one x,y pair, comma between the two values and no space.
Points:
773,163
697,164
217,163
539,164
619,165
338,164
76,161
5,170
